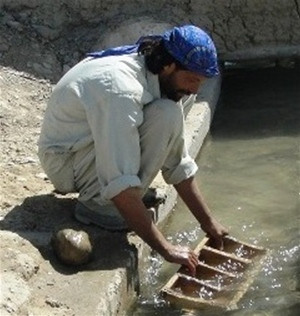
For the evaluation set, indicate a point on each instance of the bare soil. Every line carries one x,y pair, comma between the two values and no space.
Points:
30,210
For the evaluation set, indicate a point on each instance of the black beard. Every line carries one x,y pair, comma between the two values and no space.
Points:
174,95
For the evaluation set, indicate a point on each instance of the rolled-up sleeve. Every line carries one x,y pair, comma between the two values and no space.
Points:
114,125
184,170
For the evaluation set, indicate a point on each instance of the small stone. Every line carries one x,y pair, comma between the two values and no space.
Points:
286,63
27,266
72,247
41,175
47,32
27,160
15,24
24,15
53,302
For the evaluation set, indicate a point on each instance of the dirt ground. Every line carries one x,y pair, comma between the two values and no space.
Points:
33,281
30,210
27,202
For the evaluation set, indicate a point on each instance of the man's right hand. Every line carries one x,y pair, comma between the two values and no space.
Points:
182,255
131,207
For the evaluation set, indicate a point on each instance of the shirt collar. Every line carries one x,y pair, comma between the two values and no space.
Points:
153,84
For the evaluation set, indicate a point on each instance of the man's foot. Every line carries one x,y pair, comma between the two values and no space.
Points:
88,216
153,198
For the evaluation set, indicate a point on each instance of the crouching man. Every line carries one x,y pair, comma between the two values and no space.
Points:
115,119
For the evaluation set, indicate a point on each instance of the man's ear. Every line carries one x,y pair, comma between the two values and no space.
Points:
168,69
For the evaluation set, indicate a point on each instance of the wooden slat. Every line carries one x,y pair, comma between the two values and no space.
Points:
189,301
201,245
238,286
193,279
171,282
242,243
227,255
176,294
229,274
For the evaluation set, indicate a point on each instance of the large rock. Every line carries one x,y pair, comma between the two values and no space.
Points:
72,247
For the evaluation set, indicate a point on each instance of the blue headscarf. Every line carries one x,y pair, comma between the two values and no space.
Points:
188,44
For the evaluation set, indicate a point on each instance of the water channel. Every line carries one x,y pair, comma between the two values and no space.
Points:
249,174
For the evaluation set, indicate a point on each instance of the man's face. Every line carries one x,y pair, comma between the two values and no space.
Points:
175,83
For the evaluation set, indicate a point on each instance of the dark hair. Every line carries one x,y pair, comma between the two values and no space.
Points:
156,56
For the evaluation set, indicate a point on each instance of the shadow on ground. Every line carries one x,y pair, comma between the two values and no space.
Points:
39,216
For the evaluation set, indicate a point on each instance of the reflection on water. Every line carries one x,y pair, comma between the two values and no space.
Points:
219,281
230,266
243,252
249,175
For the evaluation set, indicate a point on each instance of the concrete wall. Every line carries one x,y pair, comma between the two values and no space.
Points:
47,37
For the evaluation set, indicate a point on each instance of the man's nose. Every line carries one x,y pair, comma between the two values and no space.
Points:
194,88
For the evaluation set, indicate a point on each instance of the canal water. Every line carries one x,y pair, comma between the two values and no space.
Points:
249,173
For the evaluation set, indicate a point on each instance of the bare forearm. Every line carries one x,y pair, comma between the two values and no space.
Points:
189,192
131,207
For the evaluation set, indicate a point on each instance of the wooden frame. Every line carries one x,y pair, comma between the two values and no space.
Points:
221,279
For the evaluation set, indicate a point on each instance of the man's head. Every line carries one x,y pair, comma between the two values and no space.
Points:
182,57
176,82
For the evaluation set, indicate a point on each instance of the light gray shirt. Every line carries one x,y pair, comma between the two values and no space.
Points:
111,90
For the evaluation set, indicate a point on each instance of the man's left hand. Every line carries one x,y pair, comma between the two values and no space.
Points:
215,231
191,195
